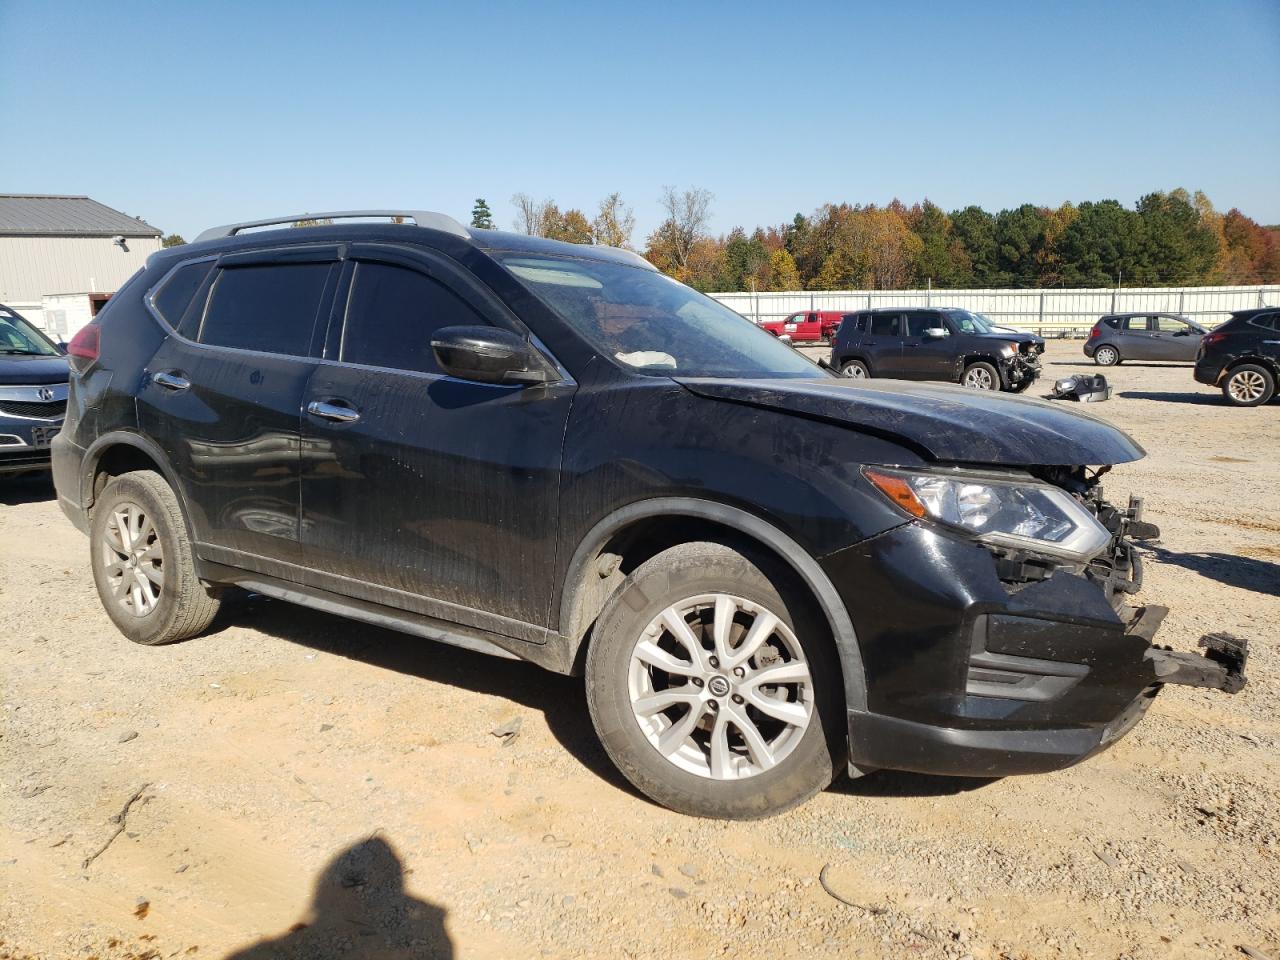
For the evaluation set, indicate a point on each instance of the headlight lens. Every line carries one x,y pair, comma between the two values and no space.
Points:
1023,515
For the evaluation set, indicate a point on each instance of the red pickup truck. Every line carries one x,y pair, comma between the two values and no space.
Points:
808,326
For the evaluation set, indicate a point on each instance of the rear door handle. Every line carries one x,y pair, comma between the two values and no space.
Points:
170,381
337,412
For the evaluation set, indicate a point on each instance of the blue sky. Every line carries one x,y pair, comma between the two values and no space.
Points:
195,114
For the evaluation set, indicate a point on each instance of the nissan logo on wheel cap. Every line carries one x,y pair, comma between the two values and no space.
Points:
718,686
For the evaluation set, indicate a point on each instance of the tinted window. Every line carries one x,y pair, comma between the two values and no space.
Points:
172,300
391,315
1268,321
918,323
884,325
271,309
1112,322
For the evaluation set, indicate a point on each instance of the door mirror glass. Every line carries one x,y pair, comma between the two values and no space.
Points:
62,347
489,355
935,333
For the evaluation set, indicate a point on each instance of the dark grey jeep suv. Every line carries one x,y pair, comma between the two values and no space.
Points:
766,573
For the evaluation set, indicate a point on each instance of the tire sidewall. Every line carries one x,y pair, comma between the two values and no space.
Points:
809,768
152,628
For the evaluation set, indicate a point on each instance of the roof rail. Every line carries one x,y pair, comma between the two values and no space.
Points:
422,218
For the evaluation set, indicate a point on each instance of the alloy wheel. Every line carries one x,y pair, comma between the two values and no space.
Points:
720,687
133,558
1106,356
1247,386
979,377
855,370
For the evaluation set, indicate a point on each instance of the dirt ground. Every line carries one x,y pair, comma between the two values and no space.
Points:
307,786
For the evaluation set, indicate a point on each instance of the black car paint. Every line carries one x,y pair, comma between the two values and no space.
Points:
945,358
27,420
486,515
1242,339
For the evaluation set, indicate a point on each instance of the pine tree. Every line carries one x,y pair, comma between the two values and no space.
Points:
481,215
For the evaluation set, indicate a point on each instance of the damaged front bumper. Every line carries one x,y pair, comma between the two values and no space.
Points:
977,667
1021,370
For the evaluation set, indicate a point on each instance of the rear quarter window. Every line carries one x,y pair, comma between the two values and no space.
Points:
174,300
1267,321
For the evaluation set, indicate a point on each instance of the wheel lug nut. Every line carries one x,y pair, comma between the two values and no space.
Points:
697,681
712,706
737,698
739,672
714,662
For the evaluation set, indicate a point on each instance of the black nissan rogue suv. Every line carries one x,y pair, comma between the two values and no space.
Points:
766,573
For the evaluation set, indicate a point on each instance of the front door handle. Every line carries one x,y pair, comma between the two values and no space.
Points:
337,412
170,381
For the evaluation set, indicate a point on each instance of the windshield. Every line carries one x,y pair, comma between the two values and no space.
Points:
970,322
652,324
18,338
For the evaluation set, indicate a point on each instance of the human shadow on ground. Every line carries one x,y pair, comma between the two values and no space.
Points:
1247,573
562,700
1204,399
15,491
360,911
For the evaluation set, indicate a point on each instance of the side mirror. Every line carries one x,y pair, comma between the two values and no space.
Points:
61,346
935,333
489,355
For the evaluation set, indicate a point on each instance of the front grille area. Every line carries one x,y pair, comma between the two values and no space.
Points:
41,411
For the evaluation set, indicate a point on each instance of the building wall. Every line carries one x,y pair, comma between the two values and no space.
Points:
33,267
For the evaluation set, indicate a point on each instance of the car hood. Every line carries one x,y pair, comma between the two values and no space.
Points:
1010,336
33,370
945,422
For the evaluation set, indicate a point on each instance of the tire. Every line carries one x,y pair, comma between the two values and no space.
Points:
1249,385
1106,356
855,369
981,376
692,583
163,600
1021,387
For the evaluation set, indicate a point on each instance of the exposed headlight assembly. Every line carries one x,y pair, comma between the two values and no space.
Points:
1022,515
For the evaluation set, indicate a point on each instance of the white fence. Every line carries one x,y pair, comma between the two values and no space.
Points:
1063,313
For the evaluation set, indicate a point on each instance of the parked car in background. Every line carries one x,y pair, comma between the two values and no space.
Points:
811,326
1243,357
1143,336
33,393
936,344
766,574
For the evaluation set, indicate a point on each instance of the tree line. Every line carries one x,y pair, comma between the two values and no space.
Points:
1167,239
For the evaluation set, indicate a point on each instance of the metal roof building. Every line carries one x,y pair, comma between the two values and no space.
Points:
53,245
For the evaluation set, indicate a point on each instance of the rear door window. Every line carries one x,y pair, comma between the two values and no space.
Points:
268,309
918,323
884,325
392,314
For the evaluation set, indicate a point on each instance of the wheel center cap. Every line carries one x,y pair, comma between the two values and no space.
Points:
718,686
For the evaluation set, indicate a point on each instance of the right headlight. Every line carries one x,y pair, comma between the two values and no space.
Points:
1023,515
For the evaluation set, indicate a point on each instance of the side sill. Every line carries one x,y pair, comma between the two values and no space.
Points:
418,625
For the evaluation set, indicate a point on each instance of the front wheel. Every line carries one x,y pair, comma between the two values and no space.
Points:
1106,356
143,564
715,687
1249,385
856,369
981,376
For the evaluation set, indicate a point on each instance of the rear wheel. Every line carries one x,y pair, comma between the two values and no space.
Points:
143,564
1249,385
856,369
715,687
1106,356
981,376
